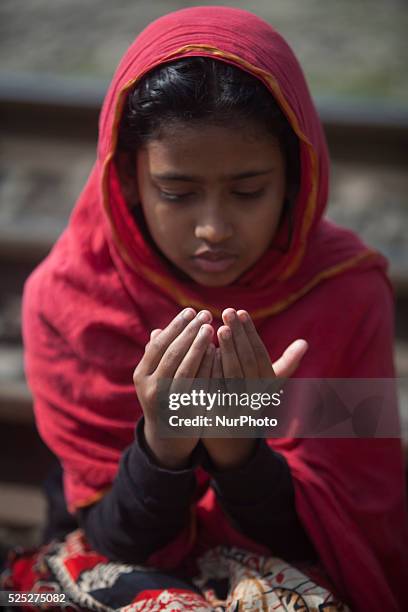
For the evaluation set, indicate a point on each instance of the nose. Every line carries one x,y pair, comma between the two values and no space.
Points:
212,226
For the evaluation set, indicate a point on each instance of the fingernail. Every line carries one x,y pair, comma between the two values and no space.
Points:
204,330
230,316
204,316
243,316
303,343
225,333
188,314
298,344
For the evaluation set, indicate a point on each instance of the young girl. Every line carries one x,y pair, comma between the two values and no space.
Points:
199,249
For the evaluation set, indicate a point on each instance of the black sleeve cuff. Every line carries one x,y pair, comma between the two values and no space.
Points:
145,509
160,486
265,473
259,498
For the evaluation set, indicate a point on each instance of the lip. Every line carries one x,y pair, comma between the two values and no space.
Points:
214,261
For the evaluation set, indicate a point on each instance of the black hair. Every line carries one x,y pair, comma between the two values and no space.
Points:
206,90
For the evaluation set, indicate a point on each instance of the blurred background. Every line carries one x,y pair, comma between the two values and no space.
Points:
57,58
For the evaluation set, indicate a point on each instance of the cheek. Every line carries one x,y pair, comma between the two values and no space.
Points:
263,230
166,225
261,226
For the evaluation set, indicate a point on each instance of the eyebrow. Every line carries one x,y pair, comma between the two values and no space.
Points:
174,176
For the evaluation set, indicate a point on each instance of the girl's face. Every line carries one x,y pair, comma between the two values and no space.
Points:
212,197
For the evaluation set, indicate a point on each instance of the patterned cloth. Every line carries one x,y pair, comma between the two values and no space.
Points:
229,579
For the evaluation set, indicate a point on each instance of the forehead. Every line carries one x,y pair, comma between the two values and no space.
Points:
211,150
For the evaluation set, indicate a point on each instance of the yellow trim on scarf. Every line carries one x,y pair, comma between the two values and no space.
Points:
91,499
328,273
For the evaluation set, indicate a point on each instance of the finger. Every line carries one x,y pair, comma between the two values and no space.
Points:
155,348
230,362
217,375
217,365
176,352
160,343
261,353
204,371
190,365
154,333
286,365
243,347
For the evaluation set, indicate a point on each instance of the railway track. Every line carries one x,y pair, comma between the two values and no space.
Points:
48,143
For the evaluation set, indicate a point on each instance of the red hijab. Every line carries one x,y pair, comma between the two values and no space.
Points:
89,308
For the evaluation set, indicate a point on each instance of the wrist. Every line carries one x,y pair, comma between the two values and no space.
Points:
229,453
163,451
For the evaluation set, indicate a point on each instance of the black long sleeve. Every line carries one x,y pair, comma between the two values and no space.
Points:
148,505
259,497
145,509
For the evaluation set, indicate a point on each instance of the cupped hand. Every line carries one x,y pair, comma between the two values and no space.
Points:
181,350
243,355
184,349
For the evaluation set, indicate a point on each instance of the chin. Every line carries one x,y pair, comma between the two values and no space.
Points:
214,280
208,279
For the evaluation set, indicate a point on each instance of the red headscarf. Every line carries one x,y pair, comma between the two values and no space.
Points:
90,306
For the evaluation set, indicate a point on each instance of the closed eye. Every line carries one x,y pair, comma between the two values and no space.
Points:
174,197
249,194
